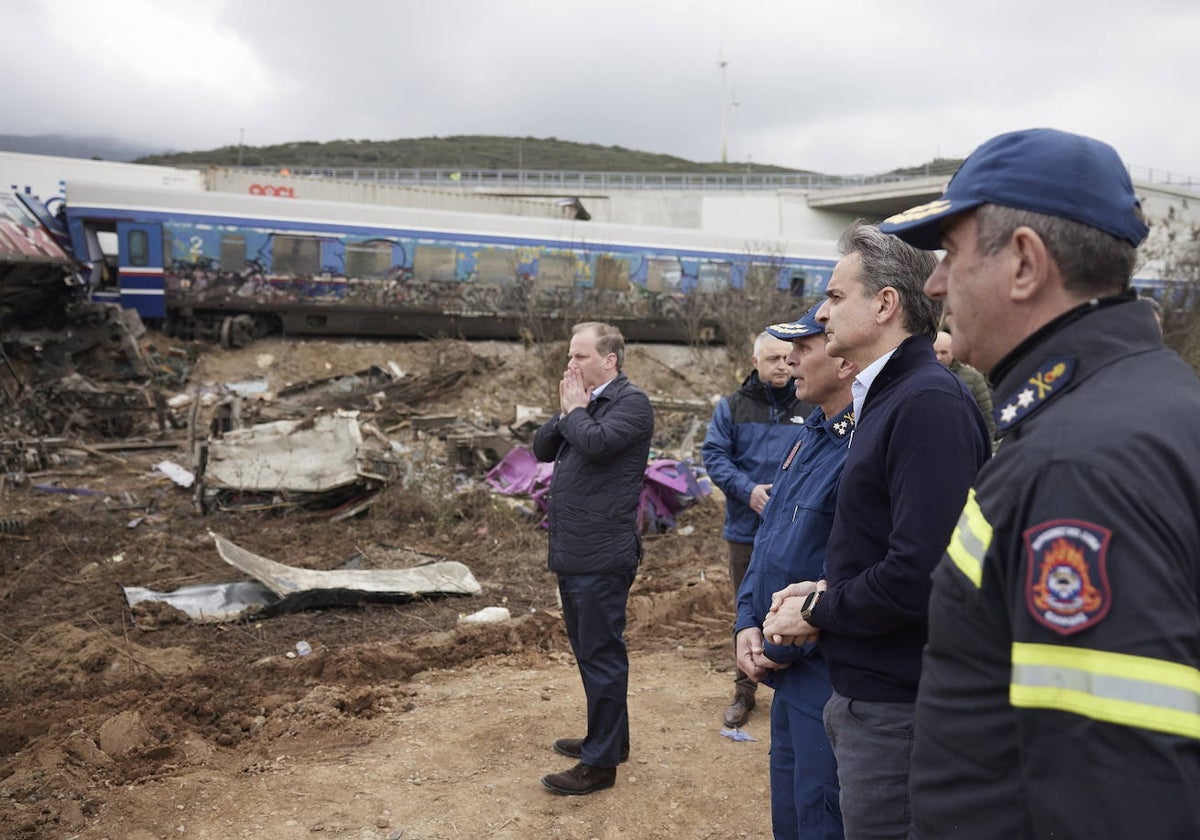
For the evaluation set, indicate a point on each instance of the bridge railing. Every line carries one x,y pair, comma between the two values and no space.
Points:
1162,176
581,180
578,180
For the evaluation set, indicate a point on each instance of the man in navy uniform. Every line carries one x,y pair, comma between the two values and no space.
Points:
1061,688
748,434
790,546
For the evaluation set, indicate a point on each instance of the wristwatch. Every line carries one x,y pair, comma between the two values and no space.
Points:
810,603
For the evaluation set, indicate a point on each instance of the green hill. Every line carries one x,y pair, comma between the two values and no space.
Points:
466,152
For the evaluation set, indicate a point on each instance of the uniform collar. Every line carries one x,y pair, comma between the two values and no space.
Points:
1066,351
840,426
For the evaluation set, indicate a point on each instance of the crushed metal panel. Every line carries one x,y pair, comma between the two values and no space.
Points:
447,577
293,455
209,602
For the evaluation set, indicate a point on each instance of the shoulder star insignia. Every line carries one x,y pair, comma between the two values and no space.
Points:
1048,379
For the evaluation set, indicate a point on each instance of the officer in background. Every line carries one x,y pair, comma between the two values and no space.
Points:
975,380
1060,695
749,433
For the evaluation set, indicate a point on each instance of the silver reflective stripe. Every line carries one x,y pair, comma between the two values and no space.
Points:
970,540
1114,688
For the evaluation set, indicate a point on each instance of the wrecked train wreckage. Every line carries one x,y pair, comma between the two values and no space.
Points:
68,365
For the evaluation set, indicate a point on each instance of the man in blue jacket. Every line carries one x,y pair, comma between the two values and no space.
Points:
599,442
790,546
748,434
918,441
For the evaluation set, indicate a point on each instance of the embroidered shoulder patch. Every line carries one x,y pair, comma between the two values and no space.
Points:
1067,587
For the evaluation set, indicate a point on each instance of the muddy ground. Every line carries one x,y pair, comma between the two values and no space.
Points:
402,723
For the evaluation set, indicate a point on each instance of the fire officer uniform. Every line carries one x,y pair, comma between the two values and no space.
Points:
1060,696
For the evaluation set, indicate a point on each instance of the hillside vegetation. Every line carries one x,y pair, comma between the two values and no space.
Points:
464,152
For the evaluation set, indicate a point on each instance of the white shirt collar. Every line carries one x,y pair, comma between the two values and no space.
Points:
862,383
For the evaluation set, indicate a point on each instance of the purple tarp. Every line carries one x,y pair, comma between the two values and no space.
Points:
668,487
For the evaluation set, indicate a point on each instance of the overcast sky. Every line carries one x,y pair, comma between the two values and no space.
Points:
837,86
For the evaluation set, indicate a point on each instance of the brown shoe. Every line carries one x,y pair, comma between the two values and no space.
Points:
580,780
573,748
739,709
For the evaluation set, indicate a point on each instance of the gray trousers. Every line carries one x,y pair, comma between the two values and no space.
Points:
873,744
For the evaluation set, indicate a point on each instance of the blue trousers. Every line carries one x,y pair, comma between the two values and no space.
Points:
804,782
594,612
873,743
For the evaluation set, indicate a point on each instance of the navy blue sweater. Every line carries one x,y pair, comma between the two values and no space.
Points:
917,445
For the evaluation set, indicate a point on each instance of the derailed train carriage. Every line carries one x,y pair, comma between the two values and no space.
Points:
231,267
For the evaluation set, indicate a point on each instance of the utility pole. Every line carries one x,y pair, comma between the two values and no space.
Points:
722,64
241,138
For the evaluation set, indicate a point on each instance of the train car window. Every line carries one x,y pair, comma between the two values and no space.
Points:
435,262
297,255
712,277
556,270
495,265
233,252
368,259
663,275
139,248
761,276
797,286
612,274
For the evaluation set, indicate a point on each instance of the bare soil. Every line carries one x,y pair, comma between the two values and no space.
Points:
403,722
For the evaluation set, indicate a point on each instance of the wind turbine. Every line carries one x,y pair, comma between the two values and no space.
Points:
723,65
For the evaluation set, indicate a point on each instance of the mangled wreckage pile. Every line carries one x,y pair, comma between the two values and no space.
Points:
325,447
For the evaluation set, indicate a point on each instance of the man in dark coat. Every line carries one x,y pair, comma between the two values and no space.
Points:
599,442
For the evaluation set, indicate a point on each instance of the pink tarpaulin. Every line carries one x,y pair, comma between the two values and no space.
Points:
668,487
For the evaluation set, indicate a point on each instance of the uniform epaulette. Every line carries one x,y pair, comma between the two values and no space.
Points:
844,424
1047,380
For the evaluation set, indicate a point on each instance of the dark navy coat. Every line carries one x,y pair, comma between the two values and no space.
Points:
599,456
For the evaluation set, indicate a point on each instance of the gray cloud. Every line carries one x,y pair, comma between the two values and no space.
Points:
843,88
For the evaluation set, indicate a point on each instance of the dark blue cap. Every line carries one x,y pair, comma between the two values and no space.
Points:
802,327
1041,170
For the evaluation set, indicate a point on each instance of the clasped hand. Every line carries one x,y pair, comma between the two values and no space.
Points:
783,625
750,657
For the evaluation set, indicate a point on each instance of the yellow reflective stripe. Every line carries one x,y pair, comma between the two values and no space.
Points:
970,541
1113,688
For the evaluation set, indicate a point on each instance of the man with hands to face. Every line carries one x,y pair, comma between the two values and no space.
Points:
599,442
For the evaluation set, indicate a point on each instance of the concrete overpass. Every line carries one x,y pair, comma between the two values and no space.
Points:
878,201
